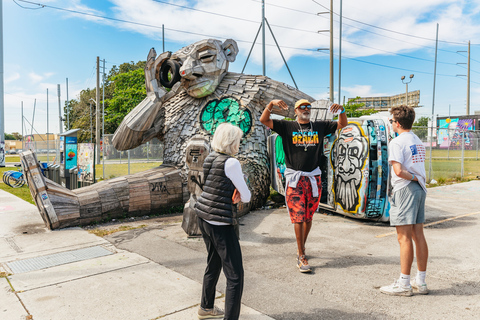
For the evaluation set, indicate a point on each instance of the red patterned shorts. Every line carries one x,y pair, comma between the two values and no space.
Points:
300,202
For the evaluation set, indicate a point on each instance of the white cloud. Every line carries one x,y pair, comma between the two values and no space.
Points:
35,77
361,91
12,77
411,17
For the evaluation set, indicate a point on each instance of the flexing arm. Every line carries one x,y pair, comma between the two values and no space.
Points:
265,117
342,117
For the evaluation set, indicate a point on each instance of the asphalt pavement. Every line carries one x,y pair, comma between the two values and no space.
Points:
154,271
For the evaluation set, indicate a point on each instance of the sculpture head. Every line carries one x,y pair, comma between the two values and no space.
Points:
200,66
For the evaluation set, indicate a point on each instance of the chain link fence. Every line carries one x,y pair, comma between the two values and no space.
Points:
46,150
117,163
453,153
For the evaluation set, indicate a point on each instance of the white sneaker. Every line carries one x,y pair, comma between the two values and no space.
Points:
397,289
421,288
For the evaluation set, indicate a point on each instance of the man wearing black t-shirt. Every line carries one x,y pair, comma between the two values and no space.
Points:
303,145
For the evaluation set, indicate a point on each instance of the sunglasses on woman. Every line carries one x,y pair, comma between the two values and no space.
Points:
302,107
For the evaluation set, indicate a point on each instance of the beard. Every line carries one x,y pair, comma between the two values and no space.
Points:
304,116
346,193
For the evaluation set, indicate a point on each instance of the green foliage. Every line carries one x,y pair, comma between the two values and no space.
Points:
420,128
81,116
128,92
124,89
9,136
352,109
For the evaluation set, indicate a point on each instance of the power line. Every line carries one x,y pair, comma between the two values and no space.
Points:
204,35
385,29
25,7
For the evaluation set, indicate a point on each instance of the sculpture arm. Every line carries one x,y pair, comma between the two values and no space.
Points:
141,124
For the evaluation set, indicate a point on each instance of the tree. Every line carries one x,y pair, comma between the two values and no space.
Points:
420,127
351,109
128,92
17,136
9,136
124,89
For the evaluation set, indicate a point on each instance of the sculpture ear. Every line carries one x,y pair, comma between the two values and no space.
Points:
230,49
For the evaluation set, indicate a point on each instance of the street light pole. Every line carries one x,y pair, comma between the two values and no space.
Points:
91,122
406,83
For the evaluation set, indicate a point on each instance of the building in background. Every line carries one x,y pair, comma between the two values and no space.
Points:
385,103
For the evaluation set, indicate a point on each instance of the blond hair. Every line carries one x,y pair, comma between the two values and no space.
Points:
227,138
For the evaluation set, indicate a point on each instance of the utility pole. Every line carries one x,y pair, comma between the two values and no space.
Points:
103,119
263,37
59,110
433,108
91,122
468,80
340,55
2,110
48,148
331,50
23,137
97,108
67,109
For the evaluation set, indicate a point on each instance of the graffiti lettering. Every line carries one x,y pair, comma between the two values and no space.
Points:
159,186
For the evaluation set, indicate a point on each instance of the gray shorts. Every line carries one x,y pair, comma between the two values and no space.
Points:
408,205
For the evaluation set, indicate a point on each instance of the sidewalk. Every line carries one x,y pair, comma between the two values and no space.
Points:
72,274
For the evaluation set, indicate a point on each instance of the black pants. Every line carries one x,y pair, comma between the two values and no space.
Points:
223,251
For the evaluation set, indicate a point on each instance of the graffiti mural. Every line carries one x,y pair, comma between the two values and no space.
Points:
451,130
348,158
86,162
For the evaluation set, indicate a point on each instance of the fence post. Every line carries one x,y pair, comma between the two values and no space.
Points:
128,153
463,148
477,148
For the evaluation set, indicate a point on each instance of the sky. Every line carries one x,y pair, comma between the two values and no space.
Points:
47,41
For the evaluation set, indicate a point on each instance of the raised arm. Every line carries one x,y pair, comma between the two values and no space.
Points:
265,117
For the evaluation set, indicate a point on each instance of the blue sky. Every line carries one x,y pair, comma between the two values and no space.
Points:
382,41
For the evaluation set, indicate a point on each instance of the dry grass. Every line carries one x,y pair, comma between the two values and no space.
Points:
105,232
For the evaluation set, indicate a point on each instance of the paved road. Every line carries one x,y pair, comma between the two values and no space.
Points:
351,260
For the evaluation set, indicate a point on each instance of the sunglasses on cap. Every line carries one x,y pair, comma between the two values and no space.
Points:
303,106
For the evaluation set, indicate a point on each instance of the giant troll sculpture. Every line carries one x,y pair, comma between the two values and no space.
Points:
189,93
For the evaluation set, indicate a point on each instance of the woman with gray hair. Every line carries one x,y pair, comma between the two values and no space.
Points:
224,186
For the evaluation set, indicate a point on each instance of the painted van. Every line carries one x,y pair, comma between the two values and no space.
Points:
355,169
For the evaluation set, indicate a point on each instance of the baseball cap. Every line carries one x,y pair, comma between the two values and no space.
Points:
301,102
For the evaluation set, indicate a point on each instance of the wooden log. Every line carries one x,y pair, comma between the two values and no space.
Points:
90,205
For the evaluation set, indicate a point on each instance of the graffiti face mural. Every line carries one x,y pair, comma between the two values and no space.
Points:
348,156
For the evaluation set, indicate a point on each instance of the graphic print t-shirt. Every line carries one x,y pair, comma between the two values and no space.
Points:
296,137
408,150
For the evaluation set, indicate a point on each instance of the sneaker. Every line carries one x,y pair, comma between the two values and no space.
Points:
397,289
302,264
421,288
213,313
